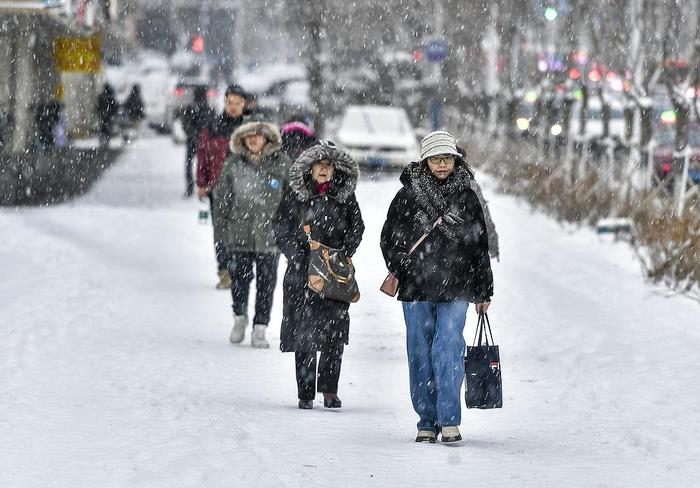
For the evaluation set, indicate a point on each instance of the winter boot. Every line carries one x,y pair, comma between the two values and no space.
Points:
306,404
331,400
257,338
224,280
426,436
240,322
451,434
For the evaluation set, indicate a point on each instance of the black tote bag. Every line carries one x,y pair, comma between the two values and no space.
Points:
482,366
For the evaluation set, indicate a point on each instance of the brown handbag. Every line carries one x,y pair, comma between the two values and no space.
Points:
390,286
331,273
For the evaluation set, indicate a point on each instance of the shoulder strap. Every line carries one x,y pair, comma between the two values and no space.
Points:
424,236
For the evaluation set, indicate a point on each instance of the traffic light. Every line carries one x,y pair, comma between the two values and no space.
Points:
551,14
198,44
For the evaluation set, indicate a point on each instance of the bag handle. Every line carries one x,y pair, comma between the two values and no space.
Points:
338,278
424,236
483,327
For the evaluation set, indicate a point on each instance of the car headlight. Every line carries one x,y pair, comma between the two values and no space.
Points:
522,123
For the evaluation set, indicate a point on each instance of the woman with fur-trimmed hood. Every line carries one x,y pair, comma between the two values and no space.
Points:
321,194
248,192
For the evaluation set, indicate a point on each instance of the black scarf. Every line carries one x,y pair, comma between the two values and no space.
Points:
433,195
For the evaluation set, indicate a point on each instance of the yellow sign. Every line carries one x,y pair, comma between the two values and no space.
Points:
78,54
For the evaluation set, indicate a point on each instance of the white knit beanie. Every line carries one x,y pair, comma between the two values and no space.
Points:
438,142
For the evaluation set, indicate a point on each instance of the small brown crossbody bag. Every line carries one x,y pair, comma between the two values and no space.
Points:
390,286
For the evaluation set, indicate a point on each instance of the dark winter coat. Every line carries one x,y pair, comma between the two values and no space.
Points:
107,106
248,192
297,138
133,106
453,262
213,148
310,321
195,118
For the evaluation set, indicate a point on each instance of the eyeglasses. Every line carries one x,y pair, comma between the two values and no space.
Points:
437,160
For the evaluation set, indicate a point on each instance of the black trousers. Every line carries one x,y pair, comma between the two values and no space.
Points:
223,259
189,158
241,269
329,363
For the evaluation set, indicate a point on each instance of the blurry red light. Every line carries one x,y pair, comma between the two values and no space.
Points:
574,73
212,93
594,75
198,44
179,92
666,168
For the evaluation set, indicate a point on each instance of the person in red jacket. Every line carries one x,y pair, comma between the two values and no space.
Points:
212,150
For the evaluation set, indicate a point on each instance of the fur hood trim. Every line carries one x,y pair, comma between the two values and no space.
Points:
346,171
272,136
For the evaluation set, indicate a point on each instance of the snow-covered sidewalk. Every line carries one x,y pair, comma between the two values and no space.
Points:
115,369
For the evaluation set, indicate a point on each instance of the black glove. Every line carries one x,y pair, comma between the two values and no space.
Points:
453,219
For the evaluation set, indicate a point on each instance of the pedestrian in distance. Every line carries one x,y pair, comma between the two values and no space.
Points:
297,137
47,116
107,110
321,195
447,271
132,113
248,192
195,117
212,150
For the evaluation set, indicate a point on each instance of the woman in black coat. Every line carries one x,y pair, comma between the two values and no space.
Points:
447,271
321,194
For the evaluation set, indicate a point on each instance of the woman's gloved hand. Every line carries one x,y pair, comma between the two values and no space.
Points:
451,218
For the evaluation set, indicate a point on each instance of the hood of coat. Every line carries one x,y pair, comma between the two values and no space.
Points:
272,136
346,172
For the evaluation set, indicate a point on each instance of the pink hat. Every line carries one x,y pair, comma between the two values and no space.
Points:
297,127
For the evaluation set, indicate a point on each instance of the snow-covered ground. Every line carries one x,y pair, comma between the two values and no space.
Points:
116,371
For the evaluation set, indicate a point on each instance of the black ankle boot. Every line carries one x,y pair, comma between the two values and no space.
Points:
332,402
306,404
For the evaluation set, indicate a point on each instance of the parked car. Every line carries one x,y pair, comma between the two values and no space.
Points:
286,98
665,137
378,135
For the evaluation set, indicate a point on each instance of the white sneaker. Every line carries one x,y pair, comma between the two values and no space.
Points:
426,436
451,434
257,338
240,322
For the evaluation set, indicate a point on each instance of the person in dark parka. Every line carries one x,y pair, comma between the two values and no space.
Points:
297,137
195,117
212,151
133,106
321,194
447,271
107,109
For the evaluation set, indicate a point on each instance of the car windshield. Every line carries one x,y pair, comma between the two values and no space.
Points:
374,121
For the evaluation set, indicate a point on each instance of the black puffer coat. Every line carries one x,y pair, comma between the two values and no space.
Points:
453,262
310,321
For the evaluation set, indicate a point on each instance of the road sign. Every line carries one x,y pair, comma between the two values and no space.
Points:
436,50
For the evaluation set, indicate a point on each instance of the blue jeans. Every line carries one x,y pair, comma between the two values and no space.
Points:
436,360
